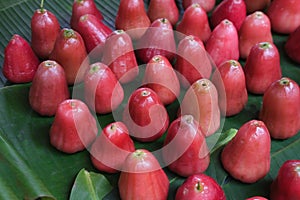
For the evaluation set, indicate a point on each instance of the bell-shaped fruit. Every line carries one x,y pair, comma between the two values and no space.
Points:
247,156
132,18
145,116
232,10
102,90
292,46
284,15
82,7
119,56
20,62
158,40
257,198
201,101
256,28
162,79
262,67
256,5
287,183
94,33
49,88
207,5
111,148
230,82
194,22
163,9
74,128
200,186
185,150
193,62
281,108
223,43
143,178
44,31
69,51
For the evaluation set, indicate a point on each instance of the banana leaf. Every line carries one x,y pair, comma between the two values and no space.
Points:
30,168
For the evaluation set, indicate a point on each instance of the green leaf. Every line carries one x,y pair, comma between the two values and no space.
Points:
222,139
90,186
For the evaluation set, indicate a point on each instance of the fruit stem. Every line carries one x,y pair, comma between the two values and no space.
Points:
198,186
284,81
42,5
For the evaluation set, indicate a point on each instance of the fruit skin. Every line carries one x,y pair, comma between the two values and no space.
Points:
94,32
119,56
74,127
230,82
192,61
194,22
102,91
163,9
142,178
262,67
247,156
69,51
132,18
111,148
44,31
82,7
207,5
185,150
256,198
20,62
145,116
232,10
292,45
201,101
280,109
49,88
287,183
256,5
157,40
284,15
223,43
256,28
200,186
162,79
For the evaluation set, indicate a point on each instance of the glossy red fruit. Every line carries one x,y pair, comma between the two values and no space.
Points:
232,10
82,7
132,18
201,101
44,30
103,93
185,150
262,67
281,108
247,156
194,22
162,79
74,128
94,33
256,5
193,62
292,45
256,198
255,28
287,182
163,9
111,148
207,5
119,56
223,43
20,62
69,51
200,186
284,15
143,178
49,88
158,40
145,116
230,82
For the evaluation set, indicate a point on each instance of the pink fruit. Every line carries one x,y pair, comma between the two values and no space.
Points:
292,45
207,5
